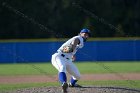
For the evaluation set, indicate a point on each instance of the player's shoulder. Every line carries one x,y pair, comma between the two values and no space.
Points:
78,38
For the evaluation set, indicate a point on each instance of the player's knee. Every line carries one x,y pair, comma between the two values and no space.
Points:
78,76
62,68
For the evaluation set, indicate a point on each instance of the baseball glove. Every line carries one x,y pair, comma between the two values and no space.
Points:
67,49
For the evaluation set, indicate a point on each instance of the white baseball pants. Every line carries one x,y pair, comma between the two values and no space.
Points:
63,64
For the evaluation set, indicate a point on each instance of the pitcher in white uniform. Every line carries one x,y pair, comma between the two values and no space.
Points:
62,59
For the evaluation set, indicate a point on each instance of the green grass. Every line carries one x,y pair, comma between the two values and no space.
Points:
84,68
27,69
109,67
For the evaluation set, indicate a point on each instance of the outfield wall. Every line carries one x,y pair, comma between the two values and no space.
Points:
98,50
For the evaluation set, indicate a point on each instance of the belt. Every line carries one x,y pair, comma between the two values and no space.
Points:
63,55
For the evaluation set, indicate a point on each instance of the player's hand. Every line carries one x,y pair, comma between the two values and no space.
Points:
73,58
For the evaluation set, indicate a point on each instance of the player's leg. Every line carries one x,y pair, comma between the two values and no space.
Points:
59,64
74,72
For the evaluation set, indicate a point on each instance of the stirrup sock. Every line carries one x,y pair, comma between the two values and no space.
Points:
62,77
73,81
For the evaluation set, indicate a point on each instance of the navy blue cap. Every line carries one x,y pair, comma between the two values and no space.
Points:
85,31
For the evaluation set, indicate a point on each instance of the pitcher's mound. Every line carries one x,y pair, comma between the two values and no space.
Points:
85,89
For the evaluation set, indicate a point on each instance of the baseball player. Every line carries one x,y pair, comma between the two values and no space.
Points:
62,59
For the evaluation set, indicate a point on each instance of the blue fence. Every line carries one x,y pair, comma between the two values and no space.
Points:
117,50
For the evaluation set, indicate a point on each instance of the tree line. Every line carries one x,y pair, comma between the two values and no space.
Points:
65,18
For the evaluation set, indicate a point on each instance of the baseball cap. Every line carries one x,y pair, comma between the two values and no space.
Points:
85,31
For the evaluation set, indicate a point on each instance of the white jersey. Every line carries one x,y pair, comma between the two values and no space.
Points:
80,45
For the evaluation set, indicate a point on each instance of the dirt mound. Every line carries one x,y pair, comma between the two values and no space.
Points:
85,89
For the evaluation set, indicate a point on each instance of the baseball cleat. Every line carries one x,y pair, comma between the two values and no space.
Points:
76,85
64,87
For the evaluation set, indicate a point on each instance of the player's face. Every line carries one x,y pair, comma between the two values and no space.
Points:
85,35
